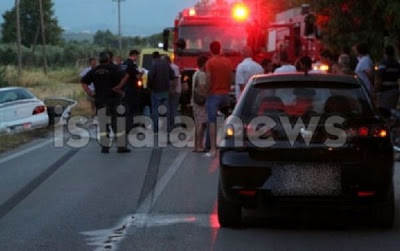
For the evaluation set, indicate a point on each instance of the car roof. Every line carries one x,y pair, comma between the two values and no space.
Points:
299,77
11,88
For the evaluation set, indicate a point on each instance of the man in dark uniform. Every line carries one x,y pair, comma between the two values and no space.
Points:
105,78
132,98
386,82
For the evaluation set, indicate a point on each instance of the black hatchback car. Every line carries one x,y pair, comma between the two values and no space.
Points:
298,139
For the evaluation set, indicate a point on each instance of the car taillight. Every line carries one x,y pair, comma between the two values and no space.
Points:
380,133
363,132
39,109
229,132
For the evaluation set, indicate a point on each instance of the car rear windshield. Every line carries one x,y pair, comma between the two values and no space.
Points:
14,95
300,99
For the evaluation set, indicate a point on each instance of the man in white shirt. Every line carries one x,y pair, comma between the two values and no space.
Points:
365,66
286,66
245,70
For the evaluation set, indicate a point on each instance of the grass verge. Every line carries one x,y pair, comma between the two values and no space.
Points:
57,83
12,141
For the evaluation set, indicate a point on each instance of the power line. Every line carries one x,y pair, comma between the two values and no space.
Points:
119,23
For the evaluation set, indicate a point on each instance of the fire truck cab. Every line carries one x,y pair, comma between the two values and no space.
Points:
194,30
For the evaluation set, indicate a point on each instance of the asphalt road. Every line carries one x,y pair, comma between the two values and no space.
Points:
151,199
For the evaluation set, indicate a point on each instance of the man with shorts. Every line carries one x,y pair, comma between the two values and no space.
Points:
219,79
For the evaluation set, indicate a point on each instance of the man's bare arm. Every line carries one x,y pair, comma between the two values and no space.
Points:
85,87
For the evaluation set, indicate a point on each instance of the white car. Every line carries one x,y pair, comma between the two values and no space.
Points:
20,110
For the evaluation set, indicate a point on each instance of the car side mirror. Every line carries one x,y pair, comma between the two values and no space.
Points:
166,33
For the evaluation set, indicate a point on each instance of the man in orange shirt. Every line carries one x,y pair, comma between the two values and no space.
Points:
219,79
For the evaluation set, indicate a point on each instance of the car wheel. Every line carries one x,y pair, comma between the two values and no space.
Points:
383,215
229,213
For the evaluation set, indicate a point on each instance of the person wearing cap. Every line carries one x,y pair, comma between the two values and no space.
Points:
108,81
132,98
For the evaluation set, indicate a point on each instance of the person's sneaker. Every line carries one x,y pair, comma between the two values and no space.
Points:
105,150
124,150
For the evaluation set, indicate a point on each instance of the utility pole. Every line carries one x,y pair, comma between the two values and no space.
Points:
43,37
18,37
119,23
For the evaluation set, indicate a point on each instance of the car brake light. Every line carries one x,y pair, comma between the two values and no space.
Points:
363,131
247,192
380,133
364,194
39,109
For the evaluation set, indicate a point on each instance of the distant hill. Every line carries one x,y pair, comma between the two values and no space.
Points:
79,37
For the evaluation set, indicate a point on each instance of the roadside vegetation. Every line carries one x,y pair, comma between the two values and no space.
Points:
62,82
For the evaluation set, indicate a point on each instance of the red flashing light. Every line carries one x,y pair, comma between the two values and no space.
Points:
192,12
240,12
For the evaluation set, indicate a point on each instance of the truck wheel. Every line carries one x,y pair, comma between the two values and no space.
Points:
383,215
229,213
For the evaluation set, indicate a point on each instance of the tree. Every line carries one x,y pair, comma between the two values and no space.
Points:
43,30
30,24
105,38
18,24
344,23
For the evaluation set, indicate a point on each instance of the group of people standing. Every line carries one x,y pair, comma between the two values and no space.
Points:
116,90
109,85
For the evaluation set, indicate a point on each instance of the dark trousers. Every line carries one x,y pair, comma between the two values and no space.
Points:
109,117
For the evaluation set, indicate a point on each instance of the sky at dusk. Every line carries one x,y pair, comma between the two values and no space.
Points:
139,17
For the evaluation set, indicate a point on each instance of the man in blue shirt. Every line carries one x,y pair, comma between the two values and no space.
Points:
160,76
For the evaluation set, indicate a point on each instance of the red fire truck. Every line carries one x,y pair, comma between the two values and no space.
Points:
294,31
234,27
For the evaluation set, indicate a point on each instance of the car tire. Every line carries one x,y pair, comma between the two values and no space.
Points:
229,213
383,215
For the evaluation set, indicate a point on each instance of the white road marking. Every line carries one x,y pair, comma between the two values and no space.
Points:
25,151
161,220
33,148
109,239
